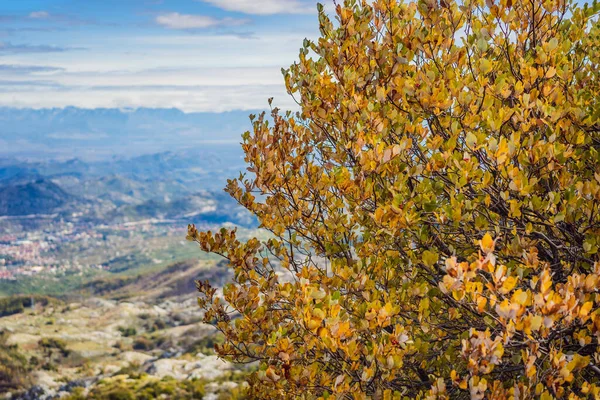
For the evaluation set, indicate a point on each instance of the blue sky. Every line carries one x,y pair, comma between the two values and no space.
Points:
196,55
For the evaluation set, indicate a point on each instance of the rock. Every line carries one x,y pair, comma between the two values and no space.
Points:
215,387
210,367
171,353
35,393
44,379
111,369
168,367
134,357
69,386
22,338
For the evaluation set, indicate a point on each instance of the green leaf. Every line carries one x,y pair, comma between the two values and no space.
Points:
430,258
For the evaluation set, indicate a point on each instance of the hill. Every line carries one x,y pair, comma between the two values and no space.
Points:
38,197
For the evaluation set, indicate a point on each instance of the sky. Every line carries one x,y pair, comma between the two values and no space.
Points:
195,55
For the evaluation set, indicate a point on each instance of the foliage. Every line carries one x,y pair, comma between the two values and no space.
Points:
206,345
142,387
17,304
127,331
14,368
143,343
56,353
49,344
434,206
67,285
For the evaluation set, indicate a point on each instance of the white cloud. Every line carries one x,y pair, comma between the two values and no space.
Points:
204,99
188,21
189,89
265,7
39,15
193,72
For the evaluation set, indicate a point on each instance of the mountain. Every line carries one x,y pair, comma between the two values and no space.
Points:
202,207
99,134
201,168
37,197
186,186
15,173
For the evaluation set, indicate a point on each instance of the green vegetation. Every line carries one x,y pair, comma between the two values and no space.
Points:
55,285
18,304
55,353
123,271
141,387
129,331
206,345
54,344
130,385
14,368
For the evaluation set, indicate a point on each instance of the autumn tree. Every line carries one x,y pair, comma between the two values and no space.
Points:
434,209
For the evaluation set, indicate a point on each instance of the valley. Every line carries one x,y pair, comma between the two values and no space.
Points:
97,281
68,221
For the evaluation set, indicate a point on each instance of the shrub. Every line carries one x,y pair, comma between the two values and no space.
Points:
206,345
143,387
50,344
143,343
434,206
129,331
14,368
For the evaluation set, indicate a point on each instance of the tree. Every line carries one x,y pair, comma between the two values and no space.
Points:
434,209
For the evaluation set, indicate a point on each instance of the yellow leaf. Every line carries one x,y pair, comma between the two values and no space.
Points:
536,322
578,362
471,140
485,65
509,284
585,309
429,258
481,302
487,243
380,94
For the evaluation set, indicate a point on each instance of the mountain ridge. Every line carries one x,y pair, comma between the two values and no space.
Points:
36,197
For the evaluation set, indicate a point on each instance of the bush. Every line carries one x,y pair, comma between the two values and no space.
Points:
127,332
14,368
434,207
143,343
17,304
50,344
206,345
143,387
155,325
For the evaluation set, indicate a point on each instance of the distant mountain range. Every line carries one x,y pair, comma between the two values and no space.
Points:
203,168
107,165
186,185
100,134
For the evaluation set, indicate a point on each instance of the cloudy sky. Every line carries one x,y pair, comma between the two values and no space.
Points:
196,55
